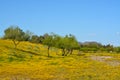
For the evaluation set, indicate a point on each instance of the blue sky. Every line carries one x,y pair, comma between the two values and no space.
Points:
88,20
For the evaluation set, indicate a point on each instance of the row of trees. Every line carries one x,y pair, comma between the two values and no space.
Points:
67,43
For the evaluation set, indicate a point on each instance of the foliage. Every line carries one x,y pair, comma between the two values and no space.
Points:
34,39
117,49
48,40
16,35
96,47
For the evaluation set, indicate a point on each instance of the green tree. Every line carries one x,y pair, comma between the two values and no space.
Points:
67,43
48,40
62,45
71,43
91,46
117,49
27,36
59,42
34,39
15,34
109,48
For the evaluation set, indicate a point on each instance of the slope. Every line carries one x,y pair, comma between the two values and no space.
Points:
30,62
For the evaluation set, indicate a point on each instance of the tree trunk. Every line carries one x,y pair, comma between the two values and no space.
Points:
48,51
16,43
71,51
67,52
63,50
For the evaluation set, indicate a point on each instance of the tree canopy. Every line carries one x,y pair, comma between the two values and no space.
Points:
16,35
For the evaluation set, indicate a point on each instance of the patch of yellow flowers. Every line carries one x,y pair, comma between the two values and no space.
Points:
40,67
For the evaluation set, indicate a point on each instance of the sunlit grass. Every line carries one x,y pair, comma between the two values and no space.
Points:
30,62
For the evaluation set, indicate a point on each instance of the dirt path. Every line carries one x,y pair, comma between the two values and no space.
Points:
104,59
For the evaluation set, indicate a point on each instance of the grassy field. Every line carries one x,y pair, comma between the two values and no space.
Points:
30,62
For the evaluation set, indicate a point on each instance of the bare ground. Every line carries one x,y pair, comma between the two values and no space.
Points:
104,59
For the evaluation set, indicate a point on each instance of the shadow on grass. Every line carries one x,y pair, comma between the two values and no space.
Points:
30,52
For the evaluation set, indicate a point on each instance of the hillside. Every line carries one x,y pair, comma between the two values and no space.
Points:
30,62
24,51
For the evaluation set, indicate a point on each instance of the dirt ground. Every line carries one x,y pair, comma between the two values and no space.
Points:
104,59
